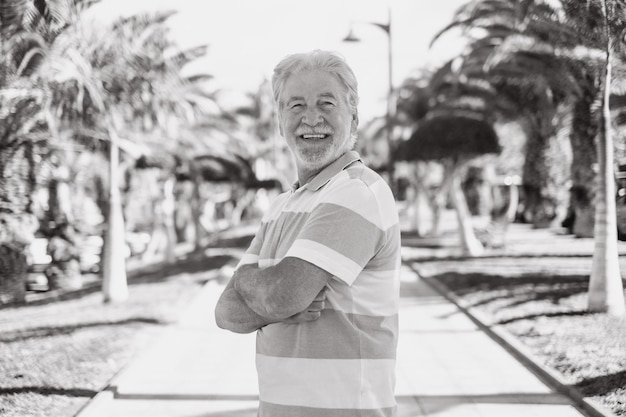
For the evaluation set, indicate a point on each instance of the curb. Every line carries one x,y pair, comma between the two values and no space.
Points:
495,255
520,352
91,408
109,391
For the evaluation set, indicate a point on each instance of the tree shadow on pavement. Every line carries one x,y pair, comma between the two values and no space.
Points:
193,263
243,412
47,391
518,289
241,242
601,385
47,331
536,316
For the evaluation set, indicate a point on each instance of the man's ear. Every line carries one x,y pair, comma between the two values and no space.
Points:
355,123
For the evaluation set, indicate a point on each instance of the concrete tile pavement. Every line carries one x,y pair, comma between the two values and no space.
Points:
527,251
446,367
521,240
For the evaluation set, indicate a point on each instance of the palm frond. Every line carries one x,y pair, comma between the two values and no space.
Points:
135,24
182,58
12,16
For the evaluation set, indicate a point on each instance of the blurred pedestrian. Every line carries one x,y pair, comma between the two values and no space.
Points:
320,280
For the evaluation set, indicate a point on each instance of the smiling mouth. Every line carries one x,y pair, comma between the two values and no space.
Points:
314,136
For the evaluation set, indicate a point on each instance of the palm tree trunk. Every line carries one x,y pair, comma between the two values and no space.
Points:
584,156
438,199
606,291
114,284
413,212
545,173
168,205
469,242
196,209
437,204
64,270
416,193
13,272
17,224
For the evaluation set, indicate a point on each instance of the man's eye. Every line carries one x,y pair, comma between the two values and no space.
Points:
328,104
296,106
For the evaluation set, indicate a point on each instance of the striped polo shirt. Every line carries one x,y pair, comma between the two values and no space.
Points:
343,364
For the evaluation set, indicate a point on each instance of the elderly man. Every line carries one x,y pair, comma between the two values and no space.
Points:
320,281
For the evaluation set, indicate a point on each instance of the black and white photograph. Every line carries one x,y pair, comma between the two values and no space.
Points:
329,208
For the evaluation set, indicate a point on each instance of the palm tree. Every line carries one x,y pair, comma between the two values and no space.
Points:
414,99
28,31
456,128
143,92
606,291
574,38
64,81
113,89
502,53
601,29
259,117
19,121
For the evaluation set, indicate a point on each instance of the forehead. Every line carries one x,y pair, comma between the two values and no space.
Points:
312,84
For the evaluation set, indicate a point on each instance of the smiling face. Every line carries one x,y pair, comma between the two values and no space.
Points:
316,119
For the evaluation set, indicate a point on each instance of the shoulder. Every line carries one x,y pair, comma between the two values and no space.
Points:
363,191
360,179
360,172
276,206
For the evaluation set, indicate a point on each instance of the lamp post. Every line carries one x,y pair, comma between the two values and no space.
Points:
351,37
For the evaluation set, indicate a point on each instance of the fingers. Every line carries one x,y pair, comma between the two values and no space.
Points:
313,315
303,317
319,302
312,312
321,295
317,306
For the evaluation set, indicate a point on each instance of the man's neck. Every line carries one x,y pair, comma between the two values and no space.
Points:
306,177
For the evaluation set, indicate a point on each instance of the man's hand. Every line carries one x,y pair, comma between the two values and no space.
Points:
312,312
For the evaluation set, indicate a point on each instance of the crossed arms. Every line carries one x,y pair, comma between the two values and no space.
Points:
293,291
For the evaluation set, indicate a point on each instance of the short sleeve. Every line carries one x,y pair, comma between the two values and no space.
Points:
343,232
251,256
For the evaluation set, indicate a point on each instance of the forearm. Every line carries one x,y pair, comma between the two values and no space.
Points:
281,291
254,291
232,313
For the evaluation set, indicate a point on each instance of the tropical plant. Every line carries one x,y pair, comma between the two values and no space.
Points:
144,100
455,140
29,31
532,89
258,118
606,292
455,129
576,42
412,106
103,92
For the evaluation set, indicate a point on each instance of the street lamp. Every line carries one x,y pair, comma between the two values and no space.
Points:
351,37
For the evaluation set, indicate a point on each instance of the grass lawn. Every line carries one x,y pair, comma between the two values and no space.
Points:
55,355
542,303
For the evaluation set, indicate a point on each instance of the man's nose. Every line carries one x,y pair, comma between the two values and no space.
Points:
312,116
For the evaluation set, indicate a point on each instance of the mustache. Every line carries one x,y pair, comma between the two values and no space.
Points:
321,129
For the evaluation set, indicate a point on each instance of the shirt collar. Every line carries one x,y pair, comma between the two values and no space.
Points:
330,171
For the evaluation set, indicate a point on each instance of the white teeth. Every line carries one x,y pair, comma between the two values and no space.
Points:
313,136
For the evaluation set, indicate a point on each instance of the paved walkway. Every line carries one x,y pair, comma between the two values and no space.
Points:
446,367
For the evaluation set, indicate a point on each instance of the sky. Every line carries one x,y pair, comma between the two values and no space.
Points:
246,38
